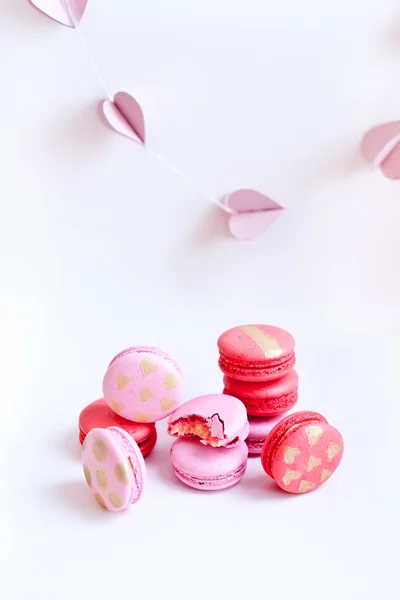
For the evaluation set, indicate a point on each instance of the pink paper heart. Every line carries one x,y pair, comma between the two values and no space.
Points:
66,12
381,147
125,116
253,213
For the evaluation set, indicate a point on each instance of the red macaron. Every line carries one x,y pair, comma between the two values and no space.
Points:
99,415
302,451
256,352
266,398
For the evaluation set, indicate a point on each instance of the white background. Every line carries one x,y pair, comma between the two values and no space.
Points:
102,247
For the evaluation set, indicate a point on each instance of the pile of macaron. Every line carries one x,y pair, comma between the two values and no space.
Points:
258,366
214,433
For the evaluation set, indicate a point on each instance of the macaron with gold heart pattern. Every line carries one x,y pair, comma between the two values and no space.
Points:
143,384
302,451
114,467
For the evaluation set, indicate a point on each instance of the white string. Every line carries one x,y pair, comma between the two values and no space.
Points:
183,176
87,49
188,180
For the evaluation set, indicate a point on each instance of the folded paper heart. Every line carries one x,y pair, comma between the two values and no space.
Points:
252,213
66,12
124,115
381,147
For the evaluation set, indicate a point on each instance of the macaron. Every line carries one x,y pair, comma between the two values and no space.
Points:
99,414
206,468
266,398
259,430
143,384
256,352
302,452
217,420
113,467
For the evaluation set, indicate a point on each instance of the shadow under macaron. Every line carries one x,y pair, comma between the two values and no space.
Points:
77,498
260,487
70,445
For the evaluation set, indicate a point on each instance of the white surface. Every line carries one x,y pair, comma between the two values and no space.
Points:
102,247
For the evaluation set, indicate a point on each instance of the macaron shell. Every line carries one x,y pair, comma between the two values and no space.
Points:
143,384
256,352
206,468
113,468
148,445
277,434
256,343
225,416
262,390
264,399
99,414
306,457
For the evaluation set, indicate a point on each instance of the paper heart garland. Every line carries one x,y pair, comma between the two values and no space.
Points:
381,147
61,10
253,213
125,116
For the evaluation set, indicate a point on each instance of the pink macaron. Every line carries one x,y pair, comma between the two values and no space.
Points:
266,398
259,431
206,468
113,467
143,384
302,451
99,414
217,420
256,352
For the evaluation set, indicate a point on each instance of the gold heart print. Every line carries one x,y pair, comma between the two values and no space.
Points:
142,417
171,381
116,406
122,381
313,462
306,486
289,454
290,475
314,433
166,403
333,449
147,367
146,394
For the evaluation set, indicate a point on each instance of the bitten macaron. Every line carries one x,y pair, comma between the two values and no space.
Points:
265,399
256,352
302,451
217,420
143,384
206,468
114,467
99,415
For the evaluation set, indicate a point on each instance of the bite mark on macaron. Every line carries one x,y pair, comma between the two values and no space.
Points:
211,431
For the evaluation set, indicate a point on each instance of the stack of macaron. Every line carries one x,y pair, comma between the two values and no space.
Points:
142,385
257,362
210,452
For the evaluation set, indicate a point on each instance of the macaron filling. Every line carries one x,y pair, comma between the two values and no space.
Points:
210,431
216,482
